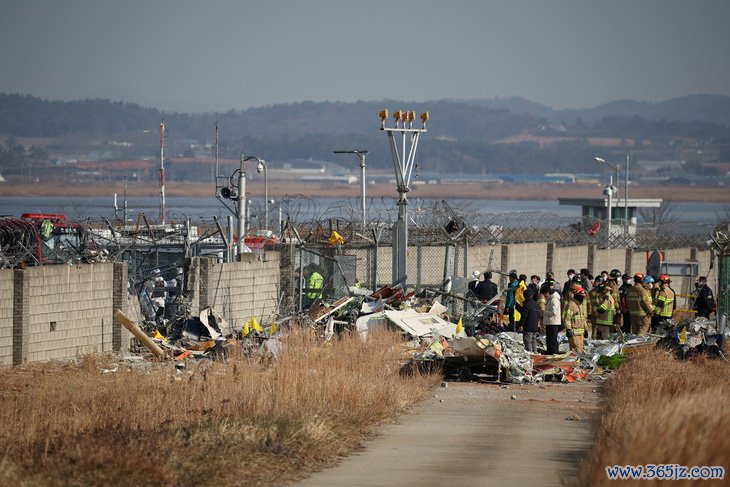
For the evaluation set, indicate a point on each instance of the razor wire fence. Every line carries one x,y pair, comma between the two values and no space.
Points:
439,223
306,221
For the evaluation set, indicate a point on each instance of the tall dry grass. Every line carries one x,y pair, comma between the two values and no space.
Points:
660,410
233,423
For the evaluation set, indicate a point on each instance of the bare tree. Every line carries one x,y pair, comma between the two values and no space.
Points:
666,213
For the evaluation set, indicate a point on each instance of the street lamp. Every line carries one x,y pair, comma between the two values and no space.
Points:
626,184
242,200
361,155
608,191
600,160
262,167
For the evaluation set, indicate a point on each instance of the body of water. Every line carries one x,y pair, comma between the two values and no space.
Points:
205,208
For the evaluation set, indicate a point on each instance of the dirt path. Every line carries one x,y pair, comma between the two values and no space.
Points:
472,434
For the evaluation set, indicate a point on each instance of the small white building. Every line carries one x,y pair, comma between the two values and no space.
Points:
620,208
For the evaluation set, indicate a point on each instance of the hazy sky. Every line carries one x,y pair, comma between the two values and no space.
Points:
217,55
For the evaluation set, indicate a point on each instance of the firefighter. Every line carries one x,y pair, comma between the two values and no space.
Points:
575,320
626,317
638,300
568,296
593,302
613,283
604,312
665,302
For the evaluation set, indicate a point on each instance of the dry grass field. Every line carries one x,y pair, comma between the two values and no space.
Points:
660,410
238,422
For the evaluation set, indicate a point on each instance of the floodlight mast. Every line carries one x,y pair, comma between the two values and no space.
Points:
403,163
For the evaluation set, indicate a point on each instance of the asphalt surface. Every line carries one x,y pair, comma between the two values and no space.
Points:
476,434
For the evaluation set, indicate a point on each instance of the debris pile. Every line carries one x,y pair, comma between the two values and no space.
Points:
475,347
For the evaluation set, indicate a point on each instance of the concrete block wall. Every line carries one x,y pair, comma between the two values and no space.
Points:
565,258
70,310
239,290
528,259
479,259
638,262
6,317
607,259
703,258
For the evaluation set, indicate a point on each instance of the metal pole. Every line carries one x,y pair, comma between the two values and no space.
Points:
241,206
229,251
216,151
609,192
266,198
124,212
362,188
403,167
361,156
626,195
162,171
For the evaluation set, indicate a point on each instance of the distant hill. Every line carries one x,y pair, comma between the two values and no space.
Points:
477,136
704,108
475,120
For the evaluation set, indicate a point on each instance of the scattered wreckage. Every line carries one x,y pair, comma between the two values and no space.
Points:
474,348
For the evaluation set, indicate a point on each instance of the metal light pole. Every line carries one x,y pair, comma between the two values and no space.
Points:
361,155
242,203
261,167
626,196
608,191
162,171
403,165
600,160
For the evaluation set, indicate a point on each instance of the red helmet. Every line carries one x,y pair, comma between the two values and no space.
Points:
664,279
579,291
638,277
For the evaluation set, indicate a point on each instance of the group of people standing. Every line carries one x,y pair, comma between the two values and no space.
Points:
587,306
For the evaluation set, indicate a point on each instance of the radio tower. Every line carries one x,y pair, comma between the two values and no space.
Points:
162,171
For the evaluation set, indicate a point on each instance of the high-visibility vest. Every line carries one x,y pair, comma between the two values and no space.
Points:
604,311
638,299
575,318
664,305
315,285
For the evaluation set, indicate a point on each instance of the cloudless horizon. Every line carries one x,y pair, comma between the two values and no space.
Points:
189,56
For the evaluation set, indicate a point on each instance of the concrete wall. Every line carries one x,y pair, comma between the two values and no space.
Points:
529,259
484,257
565,258
59,312
6,317
608,259
533,258
239,290
70,310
